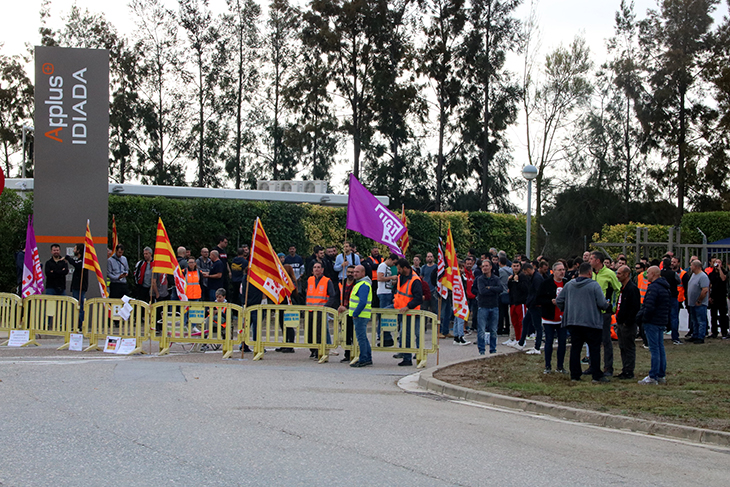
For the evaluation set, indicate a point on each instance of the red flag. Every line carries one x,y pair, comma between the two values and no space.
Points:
441,281
91,261
265,270
165,261
115,238
404,241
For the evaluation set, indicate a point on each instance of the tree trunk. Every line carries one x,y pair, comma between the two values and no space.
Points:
680,159
627,147
201,165
440,162
239,102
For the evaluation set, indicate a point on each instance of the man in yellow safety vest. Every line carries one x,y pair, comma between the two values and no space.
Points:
360,310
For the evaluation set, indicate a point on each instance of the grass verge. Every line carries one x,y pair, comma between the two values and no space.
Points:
697,392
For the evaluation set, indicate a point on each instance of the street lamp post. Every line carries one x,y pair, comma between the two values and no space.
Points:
529,172
26,128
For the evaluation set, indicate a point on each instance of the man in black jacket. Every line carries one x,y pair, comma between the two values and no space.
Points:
552,316
654,314
534,313
673,280
629,302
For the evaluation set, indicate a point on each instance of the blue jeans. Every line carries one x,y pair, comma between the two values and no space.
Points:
655,337
75,294
487,320
458,327
550,332
405,332
699,321
361,332
446,313
674,318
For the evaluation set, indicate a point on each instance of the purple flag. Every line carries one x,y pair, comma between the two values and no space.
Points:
367,216
32,270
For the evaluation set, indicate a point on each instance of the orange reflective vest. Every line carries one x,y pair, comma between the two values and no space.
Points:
643,284
404,293
192,285
374,266
317,294
680,288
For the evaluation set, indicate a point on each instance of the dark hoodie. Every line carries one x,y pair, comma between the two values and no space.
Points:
655,310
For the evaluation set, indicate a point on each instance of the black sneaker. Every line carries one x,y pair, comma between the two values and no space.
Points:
625,376
362,364
602,380
405,363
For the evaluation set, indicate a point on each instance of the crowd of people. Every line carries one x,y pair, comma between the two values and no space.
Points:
589,300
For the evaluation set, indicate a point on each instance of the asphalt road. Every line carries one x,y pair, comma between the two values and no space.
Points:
71,419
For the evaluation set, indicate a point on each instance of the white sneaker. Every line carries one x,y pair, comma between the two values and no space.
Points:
518,346
507,342
464,342
456,341
533,351
648,381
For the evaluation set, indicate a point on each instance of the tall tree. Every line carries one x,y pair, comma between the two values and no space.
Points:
442,34
490,96
313,136
563,88
674,42
241,78
196,18
164,113
16,107
283,23
344,30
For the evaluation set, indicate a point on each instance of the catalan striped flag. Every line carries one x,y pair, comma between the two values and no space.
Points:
165,261
461,305
91,261
265,270
115,238
404,241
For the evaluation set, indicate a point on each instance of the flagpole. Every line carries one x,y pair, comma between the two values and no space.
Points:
81,279
248,275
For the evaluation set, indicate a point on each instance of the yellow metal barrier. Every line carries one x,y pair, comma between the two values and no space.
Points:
102,319
11,307
51,315
388,325
198,322
310,324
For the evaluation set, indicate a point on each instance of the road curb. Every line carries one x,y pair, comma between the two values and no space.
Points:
697,435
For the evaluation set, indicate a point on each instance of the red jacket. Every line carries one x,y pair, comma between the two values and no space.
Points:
469,276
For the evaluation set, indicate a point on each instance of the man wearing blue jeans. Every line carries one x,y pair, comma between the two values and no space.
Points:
360,310
654,313
698,290
489,288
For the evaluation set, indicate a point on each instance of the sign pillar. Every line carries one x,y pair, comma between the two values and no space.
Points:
71,150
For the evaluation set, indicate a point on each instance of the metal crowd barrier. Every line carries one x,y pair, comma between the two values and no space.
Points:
51,315
391,331
11,311
270,325
102,318
196,322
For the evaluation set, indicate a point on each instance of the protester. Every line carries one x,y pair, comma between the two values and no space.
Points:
360,311
629,302
581,302
654,314
698,290
552,317
611,288
408,296
518,285
117,270
489,288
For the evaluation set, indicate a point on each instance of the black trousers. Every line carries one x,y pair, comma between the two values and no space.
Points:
627,347
718,313
581,335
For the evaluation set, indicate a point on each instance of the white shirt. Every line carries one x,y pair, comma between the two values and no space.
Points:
384,287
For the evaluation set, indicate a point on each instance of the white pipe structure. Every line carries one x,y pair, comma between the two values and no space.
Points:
529,172
216,193
26,128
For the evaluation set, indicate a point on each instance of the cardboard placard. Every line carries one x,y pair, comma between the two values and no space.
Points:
389,323
291,319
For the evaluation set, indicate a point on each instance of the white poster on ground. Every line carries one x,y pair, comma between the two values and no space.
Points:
126,346
76,342
111,345
18,338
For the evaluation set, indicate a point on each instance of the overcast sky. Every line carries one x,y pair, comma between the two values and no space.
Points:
559,22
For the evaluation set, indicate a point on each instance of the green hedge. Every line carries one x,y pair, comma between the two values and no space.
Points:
715,224
196,223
